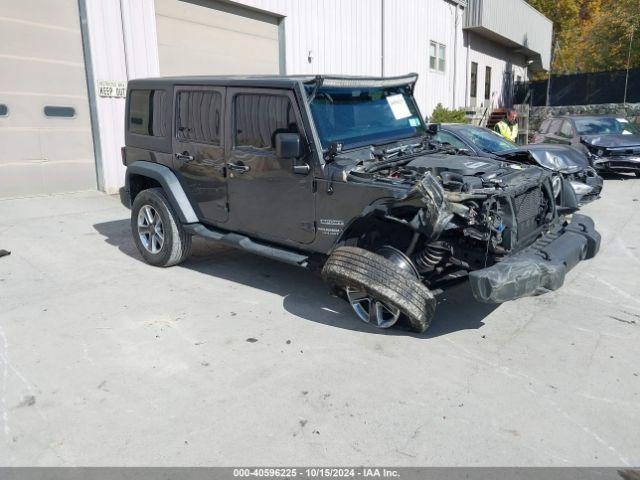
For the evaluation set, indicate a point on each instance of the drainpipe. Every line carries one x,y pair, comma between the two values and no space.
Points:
382,38
455,58
91,93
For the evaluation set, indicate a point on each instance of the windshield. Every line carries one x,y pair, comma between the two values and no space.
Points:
486,139
364,116
604,126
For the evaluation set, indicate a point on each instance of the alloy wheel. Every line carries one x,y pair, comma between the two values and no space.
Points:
371,310
150,229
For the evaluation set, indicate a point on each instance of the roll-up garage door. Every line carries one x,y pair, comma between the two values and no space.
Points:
215,38
45,127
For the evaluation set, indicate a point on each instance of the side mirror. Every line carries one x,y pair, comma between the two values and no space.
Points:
289,145
433,128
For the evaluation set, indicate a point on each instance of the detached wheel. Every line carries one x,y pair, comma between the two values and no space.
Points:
157,231
379,292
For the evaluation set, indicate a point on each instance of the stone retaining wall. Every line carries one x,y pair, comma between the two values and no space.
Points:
630,111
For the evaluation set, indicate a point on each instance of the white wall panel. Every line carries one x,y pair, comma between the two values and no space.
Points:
409,27
344,36
490,54
122,45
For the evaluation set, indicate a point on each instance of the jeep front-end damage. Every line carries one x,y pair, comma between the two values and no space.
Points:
501,230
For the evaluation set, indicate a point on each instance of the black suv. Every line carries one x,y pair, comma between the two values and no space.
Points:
340,174
612,143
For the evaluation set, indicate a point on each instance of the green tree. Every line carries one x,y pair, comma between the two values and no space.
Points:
592,35
444,115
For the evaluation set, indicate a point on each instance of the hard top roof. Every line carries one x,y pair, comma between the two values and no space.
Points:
275,81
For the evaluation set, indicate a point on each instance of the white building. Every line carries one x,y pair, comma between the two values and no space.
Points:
63,64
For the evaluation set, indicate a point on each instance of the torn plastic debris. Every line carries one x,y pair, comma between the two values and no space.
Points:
4,253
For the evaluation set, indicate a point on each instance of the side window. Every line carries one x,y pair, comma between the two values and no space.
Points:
146,109
258,118
473,90
544,127
445,137
566,130
198,117
554,128
487,83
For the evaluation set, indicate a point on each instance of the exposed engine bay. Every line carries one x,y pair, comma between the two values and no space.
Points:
464,213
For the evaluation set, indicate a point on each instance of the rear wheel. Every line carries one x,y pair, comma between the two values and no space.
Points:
637,172
379,292
157,231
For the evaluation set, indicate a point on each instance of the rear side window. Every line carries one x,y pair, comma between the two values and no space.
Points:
258,118
198,117
146,112
445,137
544,128
566,130
554,127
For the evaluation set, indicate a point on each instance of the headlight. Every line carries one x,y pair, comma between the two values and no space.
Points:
581,188
557,185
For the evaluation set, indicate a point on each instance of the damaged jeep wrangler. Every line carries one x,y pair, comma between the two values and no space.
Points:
340,174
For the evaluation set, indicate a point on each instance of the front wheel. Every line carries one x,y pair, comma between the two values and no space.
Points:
379,293
157,231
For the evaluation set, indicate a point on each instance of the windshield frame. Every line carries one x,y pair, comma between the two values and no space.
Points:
383,137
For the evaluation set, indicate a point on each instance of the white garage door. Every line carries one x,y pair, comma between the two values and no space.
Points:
215,38
45,128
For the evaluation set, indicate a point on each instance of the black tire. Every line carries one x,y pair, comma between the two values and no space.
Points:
637,172
176,245
380,278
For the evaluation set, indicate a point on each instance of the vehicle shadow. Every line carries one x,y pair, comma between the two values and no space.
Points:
304,293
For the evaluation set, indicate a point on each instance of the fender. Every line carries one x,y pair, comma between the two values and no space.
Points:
170,184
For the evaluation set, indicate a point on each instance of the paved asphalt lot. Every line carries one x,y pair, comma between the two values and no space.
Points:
232,359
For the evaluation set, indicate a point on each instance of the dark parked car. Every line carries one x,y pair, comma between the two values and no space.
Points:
567,161
339,174
611,143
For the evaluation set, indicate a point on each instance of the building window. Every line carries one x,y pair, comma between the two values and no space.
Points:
258,118
437,56
57,111
487,83
198,118
4,110
473,88
146,112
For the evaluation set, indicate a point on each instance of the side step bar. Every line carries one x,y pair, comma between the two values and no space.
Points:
245,243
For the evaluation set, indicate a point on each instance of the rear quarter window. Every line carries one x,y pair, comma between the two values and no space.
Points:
146,112
544,127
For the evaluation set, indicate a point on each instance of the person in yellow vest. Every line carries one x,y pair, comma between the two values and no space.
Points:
508,127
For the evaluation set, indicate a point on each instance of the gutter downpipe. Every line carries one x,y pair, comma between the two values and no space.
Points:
91,94
455,58
382,38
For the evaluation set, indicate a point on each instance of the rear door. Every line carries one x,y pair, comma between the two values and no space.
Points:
267,198
198,146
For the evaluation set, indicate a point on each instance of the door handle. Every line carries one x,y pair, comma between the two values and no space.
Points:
238,168
185,157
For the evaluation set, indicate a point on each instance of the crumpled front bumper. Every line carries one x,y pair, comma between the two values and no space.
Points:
540,267
619,163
